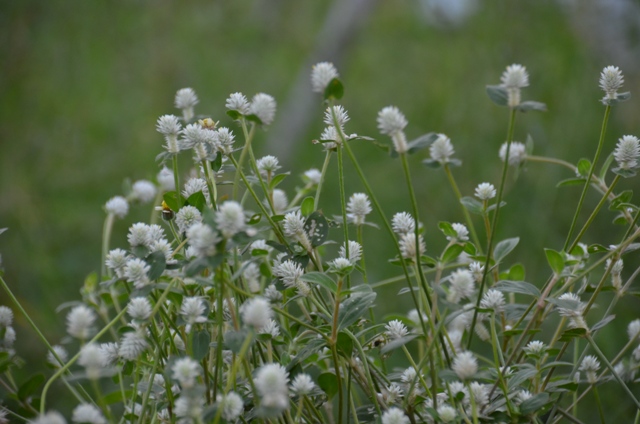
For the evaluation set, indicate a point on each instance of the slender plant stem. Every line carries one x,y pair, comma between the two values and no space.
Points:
106,239
323,173
176,180
248,137
494,224
467,217
607,112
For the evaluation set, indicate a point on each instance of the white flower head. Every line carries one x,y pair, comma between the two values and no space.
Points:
186,99
267,165
256,312
193,310
289,271
321,75
627,152
465,365
264,107
493,299
341,117
62,354
462,234
517,153
480,393
611,80
170,127
441,149
409,247
144,191
139,308
132,345
391,120
394,416
535,347
409,375
80,322
395,329
590,366
280,201
313,176
633,329
194,185
92,359
190,408
477,270
272,328
261,245
446,413
230,218
117,206
238,102
302,384
231,405
110,353
136,271
202,239
6,316
574,312
185,370
355,251
515,76
293,225
403,223
485,191
271,381
51,417
88,413
330,133
358,208
462,285
166,180
139,235
225,140
186,217
341,265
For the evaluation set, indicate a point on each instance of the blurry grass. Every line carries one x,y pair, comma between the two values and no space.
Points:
82,84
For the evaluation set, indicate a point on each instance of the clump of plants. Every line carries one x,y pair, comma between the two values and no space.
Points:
240,302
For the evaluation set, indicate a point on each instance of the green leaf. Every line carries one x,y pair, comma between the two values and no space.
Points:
200,345
447,229
195,267
571,182
572,333
320,279
534,403
624,173
584,166
354,307
30,386
328,382
498,94
472,205
421,142
233,340
253,118
451,253
597,248
604,321
140,252
334,90
622,97
171,200
158,262
555,260
517,273
431,163
392,345
197,200
255,218
306,207
234,114
277,180
216,164
345,344
116,396
621,199
531,105
504,247
317,228
521,287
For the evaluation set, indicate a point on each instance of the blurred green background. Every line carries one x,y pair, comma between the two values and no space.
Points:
82,84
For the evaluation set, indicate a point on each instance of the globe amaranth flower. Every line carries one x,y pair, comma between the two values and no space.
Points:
403,223
395,329
194,135
256,312
61,352
441,149
302,384
392,123
238,102
446,413
186,217
493,299
186,99
321,75
193,310
80,322
627,152
289,271
271,328
190,407
139,308
590,366
261,245
517,153
336,116
225,140
313,176
185,371
355,251
462,234
170,127
132,345
51,417
110,353
139,235
394,416
88,413
136,271
118,206
264,107
202,239
535,347
513,79
358,208
465,365
409,248
231,405
461,285
611,80
166,180
293,225
230,218
144,191
341,265
92,359
280,201
574,311
6,316
251,275
194,185
633,329
271,381
267,165
486,191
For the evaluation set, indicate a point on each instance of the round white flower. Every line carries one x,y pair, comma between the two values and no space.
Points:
358,208
396,330
144,191
395,416
465,365
264,107
256,312
6,316
87,413
302,384
230,218
231,405
132,345
611,80
80,322
485,191
139,308
186,99
391,120
441,149
627,152
403,223
515,76
341,117
321,75
271,381
117,206
517,153
185,370
238,102
166,180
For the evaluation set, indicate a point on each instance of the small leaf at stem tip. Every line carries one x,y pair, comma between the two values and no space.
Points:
451,253
504,247
447,229
157,261
197,200
421,142
472,205
583,167
571,182
234,114
321,279
555,260
334,90
498,94
277,180
328,382
216,164
306,207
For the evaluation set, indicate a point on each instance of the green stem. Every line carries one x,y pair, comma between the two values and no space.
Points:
325,165
467,217
176,180
603,129
494,224
248,137
106,239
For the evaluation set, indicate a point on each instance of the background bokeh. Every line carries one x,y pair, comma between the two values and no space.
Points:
82,84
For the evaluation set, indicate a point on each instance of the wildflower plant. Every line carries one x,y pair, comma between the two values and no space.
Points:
231,305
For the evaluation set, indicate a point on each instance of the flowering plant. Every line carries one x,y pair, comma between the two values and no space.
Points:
229,305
